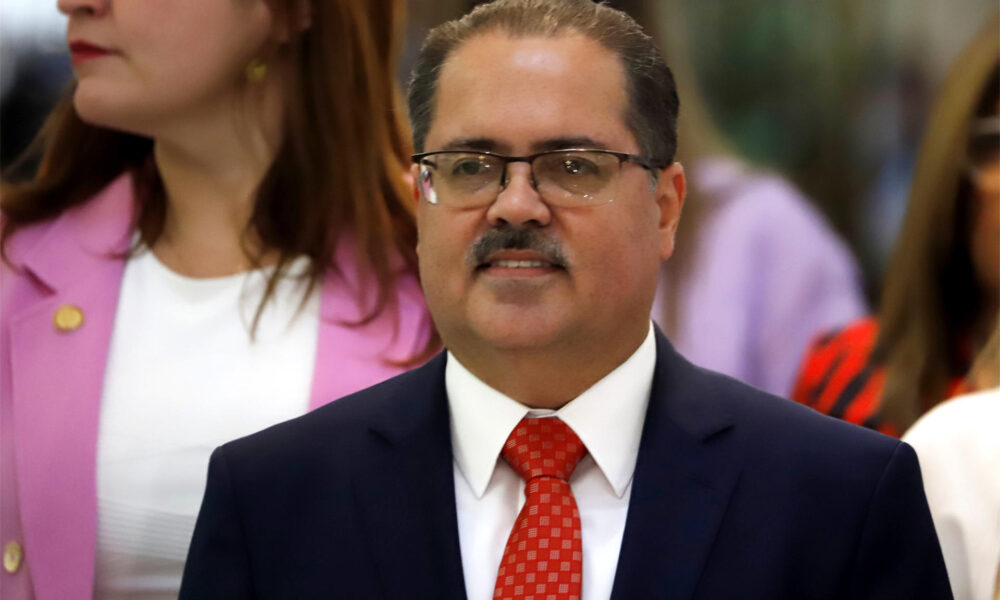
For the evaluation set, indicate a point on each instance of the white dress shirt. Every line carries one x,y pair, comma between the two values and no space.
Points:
608,418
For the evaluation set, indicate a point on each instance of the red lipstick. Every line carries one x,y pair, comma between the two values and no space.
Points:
82,51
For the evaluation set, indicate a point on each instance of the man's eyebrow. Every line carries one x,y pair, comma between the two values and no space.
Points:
568,142
492,145
480,144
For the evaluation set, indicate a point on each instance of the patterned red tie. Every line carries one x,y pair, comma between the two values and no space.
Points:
543,559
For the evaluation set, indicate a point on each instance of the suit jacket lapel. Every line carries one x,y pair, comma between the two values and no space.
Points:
684,476
56,382
406,494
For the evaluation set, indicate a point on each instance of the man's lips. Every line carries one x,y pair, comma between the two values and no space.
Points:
82,51
519,260
519,264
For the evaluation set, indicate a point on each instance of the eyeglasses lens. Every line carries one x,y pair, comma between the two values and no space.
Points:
984,160
575,178
562,178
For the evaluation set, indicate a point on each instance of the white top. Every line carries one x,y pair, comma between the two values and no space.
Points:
608,418
183,376
958,444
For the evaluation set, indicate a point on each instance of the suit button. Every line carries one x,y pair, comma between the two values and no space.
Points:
68,318
12,557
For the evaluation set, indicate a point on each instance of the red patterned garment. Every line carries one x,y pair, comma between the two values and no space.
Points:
840,377
543,558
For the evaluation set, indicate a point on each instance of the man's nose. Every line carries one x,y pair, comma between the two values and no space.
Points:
72,8
519,203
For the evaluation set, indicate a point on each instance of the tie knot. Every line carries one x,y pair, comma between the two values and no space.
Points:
543,447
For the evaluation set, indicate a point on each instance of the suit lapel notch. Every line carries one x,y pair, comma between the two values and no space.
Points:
679,498
684,477
406,495
83,238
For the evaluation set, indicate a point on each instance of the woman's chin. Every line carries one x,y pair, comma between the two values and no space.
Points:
103,110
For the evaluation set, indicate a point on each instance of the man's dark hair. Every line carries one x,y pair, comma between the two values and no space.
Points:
652,96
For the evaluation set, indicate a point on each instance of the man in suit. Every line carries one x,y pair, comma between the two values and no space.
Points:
559,448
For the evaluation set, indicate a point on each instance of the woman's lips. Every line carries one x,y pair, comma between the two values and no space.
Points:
81,51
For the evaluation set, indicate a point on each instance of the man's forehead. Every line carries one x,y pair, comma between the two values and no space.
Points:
536,92
479,56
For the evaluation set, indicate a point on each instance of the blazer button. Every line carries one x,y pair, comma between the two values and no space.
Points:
68,318
13,554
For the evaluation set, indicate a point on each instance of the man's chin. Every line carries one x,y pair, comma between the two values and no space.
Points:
520,332
521,288
506,317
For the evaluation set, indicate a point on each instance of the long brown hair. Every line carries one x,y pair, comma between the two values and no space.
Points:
339,168
932,303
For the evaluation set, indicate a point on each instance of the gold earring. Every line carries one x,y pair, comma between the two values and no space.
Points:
256,71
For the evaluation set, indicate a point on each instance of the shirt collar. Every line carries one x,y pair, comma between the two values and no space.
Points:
608,418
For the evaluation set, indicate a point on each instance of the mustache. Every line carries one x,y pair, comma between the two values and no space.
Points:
506,237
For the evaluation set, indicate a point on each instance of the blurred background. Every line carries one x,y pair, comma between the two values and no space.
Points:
832,94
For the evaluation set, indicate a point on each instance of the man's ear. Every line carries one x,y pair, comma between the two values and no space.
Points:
412,176
671,187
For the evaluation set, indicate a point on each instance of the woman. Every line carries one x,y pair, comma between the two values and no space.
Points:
941,293
218,238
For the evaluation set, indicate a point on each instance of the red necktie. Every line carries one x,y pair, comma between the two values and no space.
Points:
543,559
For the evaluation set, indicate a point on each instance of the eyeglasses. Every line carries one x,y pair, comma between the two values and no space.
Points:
564,178
983,162
984,140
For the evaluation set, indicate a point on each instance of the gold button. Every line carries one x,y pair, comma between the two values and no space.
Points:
12,557
68,318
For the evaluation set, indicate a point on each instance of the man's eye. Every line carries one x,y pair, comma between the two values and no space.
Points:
466,168
576,166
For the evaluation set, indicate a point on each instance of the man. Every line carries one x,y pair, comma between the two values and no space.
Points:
548,197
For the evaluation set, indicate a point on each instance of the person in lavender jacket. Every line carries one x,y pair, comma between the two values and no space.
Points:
758,271
760,274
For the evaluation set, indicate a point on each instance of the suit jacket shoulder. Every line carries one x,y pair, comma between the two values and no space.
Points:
353,500
391,409
737,491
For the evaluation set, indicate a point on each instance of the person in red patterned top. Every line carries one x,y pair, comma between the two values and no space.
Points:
940,299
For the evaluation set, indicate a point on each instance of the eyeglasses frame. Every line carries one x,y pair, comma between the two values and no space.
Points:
650,164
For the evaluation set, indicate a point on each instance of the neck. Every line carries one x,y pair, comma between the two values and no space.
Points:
211,162
550,377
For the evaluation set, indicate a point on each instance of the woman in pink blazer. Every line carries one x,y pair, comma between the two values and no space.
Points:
210,143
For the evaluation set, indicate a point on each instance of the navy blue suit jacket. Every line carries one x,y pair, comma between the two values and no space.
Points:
736,494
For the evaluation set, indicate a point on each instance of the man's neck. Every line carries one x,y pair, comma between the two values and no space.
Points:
547,377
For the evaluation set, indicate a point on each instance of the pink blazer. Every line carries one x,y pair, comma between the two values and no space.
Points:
51,380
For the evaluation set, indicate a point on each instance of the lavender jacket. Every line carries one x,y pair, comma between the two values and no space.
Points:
767,274
51,380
